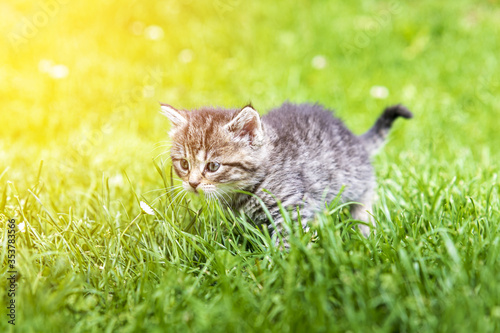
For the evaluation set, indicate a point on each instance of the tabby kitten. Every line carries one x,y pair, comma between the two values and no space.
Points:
300,154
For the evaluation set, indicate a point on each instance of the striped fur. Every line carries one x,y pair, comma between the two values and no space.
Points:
299,153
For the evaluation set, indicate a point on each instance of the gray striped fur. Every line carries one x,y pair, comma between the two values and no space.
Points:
298,152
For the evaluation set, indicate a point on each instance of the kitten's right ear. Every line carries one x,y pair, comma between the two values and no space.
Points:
175,116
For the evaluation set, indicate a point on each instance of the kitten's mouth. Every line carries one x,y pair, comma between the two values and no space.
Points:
188,188
207,188
195,190
201,188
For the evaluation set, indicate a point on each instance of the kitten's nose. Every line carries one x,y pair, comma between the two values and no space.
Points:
194,183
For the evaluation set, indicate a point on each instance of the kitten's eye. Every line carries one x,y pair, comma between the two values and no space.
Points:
213,166
184,164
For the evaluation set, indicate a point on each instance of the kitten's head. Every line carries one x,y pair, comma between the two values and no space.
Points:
217,150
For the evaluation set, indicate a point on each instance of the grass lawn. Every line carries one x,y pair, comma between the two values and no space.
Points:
82,143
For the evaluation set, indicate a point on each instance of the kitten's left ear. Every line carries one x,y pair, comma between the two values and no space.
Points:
175,116
247,125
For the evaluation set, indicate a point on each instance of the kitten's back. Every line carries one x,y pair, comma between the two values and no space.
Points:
309,141
302,127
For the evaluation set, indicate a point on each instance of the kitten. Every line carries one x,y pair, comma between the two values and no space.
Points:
300,154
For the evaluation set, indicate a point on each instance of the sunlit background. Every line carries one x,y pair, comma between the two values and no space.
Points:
81,137
80,82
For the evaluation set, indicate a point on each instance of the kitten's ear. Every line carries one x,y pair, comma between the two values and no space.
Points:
247,125
175,116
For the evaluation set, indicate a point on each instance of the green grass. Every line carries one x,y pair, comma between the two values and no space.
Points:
78,154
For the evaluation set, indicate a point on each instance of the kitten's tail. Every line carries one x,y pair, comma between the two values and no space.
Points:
375,137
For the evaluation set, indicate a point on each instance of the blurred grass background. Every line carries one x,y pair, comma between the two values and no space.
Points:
80,84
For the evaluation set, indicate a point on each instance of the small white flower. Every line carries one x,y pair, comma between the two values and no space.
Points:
59,72
154,32
186,56
379,92
318,62
22,227
116,180
56,71
146,209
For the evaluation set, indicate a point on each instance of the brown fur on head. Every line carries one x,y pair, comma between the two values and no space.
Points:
216,149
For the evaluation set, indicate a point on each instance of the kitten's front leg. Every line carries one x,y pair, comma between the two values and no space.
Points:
276,222
280,231
277,232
